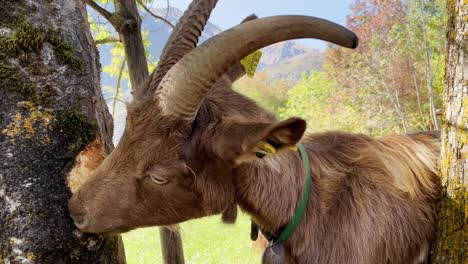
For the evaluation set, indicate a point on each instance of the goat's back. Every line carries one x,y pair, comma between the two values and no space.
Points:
373,202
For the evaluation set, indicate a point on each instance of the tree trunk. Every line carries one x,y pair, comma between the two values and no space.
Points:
130,33
452,231
51,109
171,246
428,67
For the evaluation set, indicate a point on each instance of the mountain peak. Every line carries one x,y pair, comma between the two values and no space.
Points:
282,51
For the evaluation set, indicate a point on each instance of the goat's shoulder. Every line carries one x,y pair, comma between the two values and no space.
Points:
340,147
336,138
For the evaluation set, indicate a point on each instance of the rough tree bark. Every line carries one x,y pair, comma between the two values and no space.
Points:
451,245
51,109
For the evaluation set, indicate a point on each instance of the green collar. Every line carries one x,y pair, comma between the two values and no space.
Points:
289,229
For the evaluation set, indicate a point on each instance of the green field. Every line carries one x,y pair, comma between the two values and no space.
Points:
205,240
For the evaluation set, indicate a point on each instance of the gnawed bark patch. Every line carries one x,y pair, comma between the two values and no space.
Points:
86,163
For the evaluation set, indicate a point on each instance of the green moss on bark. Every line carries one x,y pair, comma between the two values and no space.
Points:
452,16
452,233
25,39
453,207
77,126
63,50
15,81
25,44
10,79
11,10
28,39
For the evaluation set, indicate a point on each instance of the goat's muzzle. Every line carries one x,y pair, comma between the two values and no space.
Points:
78,213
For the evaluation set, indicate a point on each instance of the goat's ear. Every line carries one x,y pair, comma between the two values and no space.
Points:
247,141
274,138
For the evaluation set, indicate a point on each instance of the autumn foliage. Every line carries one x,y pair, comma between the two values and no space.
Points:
392,82
394,78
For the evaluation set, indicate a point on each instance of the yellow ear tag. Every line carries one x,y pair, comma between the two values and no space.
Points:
269,148
250,63
293,148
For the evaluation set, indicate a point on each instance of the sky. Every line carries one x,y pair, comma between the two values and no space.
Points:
229,13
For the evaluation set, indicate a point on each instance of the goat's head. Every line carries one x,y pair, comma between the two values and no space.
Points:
176,158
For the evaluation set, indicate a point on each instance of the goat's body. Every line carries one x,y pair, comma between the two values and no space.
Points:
359,210
371,199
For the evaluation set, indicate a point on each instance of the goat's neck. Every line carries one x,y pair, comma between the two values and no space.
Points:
270,189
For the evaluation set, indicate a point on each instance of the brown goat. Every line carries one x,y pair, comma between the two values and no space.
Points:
188,151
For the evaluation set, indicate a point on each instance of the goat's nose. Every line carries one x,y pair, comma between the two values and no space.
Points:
77,212
80,221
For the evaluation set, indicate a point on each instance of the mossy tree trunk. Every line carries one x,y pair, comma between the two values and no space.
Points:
451,245
51,109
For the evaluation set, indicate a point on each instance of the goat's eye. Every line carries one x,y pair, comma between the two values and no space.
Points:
158,179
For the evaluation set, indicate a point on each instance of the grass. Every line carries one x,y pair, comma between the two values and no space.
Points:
205,240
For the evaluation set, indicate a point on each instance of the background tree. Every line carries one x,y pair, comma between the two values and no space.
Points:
52,109
126,21
452,230
395,77
318,100
270,94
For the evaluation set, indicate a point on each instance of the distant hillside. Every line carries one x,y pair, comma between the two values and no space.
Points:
288,60
281,51
292,69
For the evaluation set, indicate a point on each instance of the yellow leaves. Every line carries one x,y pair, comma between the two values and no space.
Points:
25,125
250,63
110,89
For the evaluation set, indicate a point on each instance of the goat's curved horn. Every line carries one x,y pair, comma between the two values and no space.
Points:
184,87
183,39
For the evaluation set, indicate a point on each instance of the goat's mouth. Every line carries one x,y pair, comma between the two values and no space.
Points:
80,221
105,225
104,231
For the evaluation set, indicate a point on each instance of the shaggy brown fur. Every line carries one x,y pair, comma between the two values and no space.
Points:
358,212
